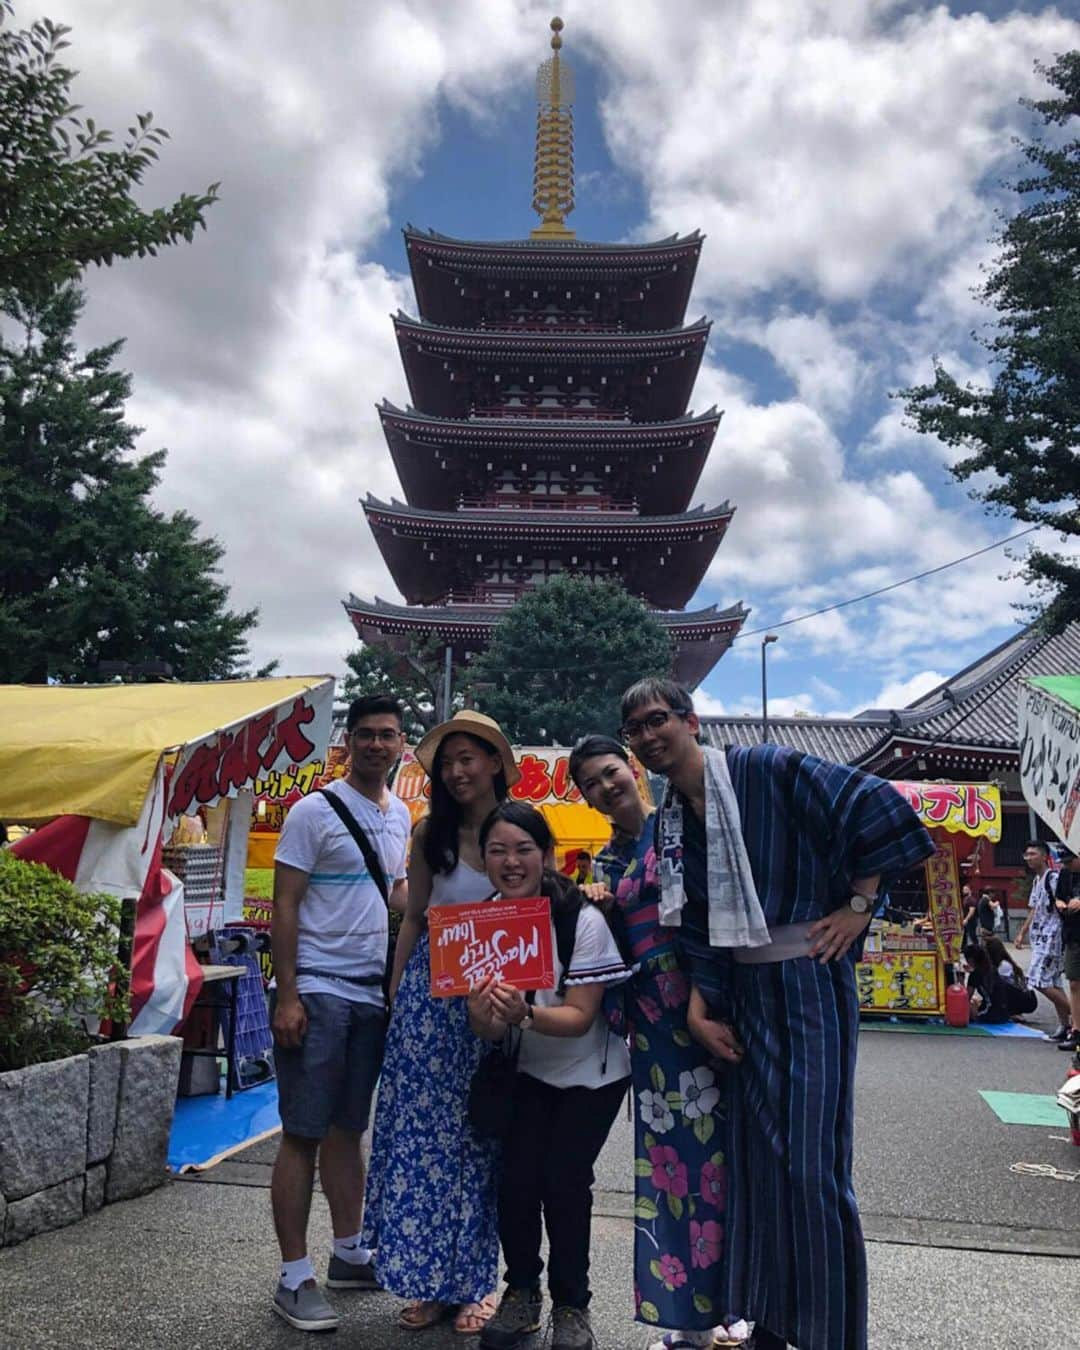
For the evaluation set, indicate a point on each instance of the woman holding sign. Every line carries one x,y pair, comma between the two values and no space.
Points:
431,1193
571,1077
681,1178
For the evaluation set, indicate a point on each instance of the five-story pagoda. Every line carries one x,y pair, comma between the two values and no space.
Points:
548,429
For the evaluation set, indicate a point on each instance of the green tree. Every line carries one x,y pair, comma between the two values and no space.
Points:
1025,428
65,190
90,571
561,658
415,676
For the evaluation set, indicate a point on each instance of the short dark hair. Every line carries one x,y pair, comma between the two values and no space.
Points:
524,817
676,696
370,704
589,747
1041,845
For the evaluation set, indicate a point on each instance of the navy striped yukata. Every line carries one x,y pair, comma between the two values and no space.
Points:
795,1256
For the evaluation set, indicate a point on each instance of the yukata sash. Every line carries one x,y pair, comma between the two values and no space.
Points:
736,918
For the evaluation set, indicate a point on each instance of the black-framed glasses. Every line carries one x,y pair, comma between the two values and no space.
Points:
366,736
636,727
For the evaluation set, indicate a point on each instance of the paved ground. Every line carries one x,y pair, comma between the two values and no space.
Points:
965,1251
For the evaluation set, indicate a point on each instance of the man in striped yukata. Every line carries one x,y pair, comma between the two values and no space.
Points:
771,864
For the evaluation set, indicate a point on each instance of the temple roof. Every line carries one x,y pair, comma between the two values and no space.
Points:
434,556
568,524
974,711
452,371
456,280
701,636
683,242
551,341
440,460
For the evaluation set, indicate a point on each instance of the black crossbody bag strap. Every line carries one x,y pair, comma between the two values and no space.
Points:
363,843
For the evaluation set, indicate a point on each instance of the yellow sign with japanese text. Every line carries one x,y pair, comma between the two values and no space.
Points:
901,982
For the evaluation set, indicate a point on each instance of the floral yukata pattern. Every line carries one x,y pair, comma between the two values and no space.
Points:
680,1185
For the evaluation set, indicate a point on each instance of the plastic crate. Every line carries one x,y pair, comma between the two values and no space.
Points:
254,1047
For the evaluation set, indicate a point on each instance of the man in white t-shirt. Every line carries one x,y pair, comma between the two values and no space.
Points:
329,937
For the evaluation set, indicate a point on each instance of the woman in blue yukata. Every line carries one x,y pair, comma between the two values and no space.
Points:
430,1211
680,1098
771,864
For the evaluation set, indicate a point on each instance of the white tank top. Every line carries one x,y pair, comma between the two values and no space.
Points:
463,886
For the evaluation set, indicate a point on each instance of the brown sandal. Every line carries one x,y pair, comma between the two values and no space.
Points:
421,1314
473,1317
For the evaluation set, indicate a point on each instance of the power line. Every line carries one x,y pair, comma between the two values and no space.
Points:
579,664
892,586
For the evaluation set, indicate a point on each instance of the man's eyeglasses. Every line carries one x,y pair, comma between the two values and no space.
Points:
636,727
365,736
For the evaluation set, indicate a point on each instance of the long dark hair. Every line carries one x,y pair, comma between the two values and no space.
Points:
560,890
997,953
441,842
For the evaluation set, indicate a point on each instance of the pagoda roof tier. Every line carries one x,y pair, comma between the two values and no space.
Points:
433,553
440,460
450,276
700,636
453,372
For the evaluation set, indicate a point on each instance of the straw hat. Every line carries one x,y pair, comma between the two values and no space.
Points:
471,724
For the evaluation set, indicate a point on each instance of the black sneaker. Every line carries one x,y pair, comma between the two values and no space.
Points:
516,1318
343,1274
1059,1035
571,1329
1071,1041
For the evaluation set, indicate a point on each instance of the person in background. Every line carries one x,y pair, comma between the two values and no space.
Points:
571,1077
1043,925
1067,901
430,1210
681,1098
329,939
770,866
1008,968
986,914
970,910
993,998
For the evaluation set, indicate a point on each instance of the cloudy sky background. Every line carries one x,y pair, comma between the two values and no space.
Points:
844,158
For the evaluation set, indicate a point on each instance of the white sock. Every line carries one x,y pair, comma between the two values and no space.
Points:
294,1273
352,1250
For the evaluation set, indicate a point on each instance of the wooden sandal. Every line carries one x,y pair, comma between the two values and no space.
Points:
421,1314
473,1317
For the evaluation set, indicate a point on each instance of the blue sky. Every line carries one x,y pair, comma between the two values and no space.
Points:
843,157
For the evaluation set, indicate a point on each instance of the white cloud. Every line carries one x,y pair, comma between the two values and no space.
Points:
899,693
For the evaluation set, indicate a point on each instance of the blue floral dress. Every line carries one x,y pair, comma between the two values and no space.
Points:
430,1208
680,1113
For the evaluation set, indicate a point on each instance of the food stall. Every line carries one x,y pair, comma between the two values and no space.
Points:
902,971
545,783
145,792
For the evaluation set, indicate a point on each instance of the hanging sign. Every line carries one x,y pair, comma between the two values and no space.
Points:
1050,761
960,808
510,939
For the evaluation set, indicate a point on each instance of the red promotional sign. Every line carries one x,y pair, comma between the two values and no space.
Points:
510,939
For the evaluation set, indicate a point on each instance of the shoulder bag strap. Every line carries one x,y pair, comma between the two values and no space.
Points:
363,843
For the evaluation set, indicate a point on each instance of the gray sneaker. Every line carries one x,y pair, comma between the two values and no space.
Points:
571,1329
344,1274
305,1308
517,1317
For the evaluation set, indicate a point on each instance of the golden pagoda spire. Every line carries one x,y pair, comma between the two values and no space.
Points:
553,176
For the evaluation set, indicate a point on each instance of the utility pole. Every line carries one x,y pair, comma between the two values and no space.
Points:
769,637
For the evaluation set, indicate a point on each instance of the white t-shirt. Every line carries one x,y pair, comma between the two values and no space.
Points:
342,919
579,1061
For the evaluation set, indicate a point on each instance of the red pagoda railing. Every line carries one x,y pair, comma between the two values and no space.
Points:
526,501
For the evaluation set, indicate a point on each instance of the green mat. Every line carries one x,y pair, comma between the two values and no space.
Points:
1025,1108
922,1029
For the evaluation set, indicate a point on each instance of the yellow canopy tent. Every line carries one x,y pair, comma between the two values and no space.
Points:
93,750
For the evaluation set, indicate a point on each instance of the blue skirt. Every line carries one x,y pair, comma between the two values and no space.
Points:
430,1208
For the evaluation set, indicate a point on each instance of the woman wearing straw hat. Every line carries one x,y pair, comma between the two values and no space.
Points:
430,1212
